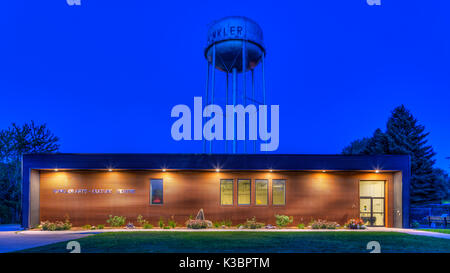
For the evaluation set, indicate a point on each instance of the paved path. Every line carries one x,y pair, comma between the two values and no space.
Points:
422,233
13,241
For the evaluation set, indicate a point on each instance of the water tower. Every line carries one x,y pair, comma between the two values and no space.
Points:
235,46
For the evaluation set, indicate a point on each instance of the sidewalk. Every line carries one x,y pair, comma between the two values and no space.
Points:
13,241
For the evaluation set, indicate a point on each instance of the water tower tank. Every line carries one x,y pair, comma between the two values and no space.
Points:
228,35
233,43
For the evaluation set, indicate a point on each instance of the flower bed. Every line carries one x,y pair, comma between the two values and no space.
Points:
355,224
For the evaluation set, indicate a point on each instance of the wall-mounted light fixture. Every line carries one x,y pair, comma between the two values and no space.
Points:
271,170
163,170
109,170
217,170
377,171
56,170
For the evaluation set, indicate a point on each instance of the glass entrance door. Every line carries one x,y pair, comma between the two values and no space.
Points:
371,202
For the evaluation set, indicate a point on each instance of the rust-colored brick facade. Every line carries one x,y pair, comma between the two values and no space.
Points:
309,195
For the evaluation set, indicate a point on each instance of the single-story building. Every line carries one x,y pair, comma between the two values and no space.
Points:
90,187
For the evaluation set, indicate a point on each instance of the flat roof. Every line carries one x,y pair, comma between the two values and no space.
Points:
177,161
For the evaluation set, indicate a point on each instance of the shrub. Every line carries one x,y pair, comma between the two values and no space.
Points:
355,224
161,222
166,227
47,225
323,224
147,226
252,224
141,220
172,223
58,225
301,226
217,224
101,226
116,221
86,227
198,224
283,220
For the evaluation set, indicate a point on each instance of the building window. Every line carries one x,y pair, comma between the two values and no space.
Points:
279,192
226,192
156,191
244,189
261,192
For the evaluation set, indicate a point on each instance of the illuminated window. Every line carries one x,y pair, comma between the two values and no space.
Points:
261,191
278,192
156,191
226,192
244,186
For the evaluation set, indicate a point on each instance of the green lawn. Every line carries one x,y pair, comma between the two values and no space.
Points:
440,230
247,242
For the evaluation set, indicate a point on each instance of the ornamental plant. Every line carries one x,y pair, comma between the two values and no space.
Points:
283,220
323,224
172,223
197,224
58,225
161,222
355,224
252,224
116,221
142,222
147,226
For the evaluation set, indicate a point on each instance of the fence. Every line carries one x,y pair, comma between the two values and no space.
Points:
420,214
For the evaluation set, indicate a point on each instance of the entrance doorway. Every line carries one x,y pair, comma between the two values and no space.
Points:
371,203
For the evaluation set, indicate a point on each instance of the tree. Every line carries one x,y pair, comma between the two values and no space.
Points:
404,135
14,142
356,147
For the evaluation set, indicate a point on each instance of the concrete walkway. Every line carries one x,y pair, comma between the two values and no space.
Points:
18,240
13,241
421,232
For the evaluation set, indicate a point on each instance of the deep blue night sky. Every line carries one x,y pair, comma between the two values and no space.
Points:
104,76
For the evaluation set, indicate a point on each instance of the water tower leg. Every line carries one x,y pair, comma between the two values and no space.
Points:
253,99
264,79
234,104
213,81
226,103
244,91
206,101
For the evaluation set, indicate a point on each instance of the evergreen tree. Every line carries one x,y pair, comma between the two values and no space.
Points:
356,147
378,144
404,135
